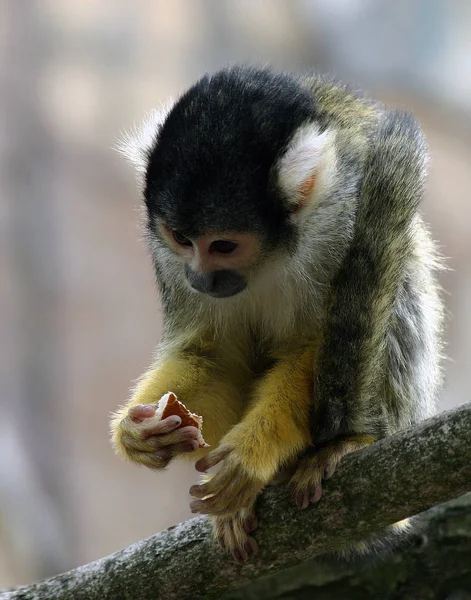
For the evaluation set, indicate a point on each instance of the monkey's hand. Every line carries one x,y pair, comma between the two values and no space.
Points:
232,488
229,496
139,436
315,467
232,533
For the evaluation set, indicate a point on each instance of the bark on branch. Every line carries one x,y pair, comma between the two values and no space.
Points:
395,478
435,563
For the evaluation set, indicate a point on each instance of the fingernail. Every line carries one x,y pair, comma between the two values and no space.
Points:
329,471
317,494
303,501
201,466
250,524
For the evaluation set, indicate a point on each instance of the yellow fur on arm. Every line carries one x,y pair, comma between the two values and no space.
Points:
276,427
194,379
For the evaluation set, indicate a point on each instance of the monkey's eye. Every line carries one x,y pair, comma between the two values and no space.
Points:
181,239
223,246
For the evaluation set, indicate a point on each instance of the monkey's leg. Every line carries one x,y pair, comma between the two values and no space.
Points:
274,431
197,382
319,465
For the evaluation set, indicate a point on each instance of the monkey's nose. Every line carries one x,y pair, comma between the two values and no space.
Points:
219,284
201,282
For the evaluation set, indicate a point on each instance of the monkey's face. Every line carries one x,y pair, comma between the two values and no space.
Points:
232,170
216,264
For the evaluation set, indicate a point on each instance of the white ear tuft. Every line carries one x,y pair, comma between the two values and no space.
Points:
308,167
136,145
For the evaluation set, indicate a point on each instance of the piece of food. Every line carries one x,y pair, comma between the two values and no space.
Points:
170,405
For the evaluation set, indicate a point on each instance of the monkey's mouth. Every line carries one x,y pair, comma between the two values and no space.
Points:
220,293
226,294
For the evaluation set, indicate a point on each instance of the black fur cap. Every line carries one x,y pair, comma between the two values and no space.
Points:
210,168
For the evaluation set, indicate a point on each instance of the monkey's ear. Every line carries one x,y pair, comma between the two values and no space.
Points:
307,169
136,145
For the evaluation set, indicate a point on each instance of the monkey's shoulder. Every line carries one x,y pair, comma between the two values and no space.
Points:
340,105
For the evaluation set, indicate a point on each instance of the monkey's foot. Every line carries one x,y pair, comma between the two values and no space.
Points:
306,483
229,490
232,533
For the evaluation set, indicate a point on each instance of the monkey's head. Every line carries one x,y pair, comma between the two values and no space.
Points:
229,173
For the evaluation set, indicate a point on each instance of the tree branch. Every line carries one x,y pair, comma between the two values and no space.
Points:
435,563
395,478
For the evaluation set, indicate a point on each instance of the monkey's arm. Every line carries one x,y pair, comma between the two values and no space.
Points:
351,410
196,380
273,432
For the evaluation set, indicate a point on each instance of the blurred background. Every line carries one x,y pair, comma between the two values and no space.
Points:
78,306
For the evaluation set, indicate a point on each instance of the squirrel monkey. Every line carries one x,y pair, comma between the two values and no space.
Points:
301,314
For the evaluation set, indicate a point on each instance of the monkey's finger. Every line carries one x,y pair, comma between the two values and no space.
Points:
220,503
136,443
157,460
251,547
149,426
188,446
212,486
317,495
134,439
200,490
197,491
223,530
139,412
185,434
206,507
232,536
244,552
301,499
212,459
330,469
240,555
156,426
250,523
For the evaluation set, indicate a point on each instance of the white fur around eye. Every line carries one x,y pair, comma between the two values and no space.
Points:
309,154
135,145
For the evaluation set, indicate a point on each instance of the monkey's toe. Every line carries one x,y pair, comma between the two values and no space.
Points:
312,470
302,494
306,483
310,495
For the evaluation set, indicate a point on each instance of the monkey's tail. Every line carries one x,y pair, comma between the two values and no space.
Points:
363,292
380,545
